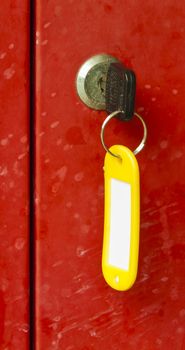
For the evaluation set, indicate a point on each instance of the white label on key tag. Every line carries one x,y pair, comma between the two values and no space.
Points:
120,224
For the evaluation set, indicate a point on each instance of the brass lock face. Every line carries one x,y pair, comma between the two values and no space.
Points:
91,80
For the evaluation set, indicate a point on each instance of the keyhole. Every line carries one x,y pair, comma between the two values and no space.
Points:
101,85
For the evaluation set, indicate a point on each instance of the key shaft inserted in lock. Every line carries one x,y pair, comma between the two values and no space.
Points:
103,83
91,80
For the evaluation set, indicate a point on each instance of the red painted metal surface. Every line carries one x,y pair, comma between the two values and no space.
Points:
75,309
14,178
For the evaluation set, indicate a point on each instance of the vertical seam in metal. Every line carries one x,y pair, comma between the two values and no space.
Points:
32,176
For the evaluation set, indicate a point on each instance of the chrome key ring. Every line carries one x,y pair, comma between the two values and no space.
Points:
106,121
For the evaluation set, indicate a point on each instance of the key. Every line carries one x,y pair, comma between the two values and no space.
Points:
120,91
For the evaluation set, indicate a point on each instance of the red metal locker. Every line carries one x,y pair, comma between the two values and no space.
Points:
14,175
75,309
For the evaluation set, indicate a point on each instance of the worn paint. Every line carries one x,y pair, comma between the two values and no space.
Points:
75,309
14,175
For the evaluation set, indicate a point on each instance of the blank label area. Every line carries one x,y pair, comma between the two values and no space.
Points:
120,224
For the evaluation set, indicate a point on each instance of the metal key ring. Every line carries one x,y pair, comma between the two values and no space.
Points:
142,143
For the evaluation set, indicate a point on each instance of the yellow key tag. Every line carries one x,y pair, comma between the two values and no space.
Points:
121,223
